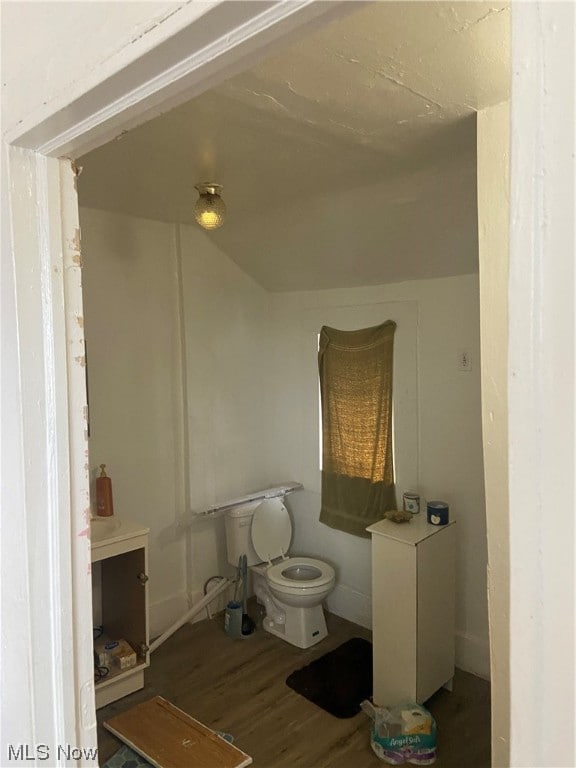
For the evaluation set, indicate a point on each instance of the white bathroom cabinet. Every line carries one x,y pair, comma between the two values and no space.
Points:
120,595
413,586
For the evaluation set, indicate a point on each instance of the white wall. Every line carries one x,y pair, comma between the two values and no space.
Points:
437,430
133,341
177,437
493,218
542,387
91,46
227,351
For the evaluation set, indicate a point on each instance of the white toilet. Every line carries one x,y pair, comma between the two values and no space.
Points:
291,588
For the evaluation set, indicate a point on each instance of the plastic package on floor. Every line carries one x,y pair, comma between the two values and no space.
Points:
402,734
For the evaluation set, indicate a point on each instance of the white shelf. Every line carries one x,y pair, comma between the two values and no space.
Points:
411,533
113,535
121,548
413,585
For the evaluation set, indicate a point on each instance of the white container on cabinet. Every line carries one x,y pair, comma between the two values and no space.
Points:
413,587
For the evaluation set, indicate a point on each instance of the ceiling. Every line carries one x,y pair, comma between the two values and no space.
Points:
347,158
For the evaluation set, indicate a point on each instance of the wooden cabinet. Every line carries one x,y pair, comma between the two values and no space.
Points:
413,588
120,597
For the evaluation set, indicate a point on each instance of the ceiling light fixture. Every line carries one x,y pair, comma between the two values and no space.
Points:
209,210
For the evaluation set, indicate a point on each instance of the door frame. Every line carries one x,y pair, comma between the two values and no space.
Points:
43,240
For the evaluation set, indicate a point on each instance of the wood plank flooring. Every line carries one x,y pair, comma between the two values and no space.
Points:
238,686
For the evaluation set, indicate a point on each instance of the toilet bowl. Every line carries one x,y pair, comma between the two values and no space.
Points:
301,580
292,589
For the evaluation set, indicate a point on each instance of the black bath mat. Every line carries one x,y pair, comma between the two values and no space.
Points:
339,680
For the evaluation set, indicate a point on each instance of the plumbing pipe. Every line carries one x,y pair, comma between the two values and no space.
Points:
190,613
206,590
273,612
219,509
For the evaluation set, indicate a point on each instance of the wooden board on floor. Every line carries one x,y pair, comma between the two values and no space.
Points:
169,738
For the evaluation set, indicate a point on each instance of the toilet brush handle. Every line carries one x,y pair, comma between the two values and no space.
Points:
244,560
238,578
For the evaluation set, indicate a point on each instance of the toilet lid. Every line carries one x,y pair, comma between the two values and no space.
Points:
271,529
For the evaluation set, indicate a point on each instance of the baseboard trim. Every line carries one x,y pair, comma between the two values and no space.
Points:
472,653
163,613
216,606
352,605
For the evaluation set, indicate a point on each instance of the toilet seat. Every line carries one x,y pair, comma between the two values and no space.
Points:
300,573
271,530
301,578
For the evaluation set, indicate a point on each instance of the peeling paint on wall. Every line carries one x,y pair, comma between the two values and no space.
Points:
473,22
76,170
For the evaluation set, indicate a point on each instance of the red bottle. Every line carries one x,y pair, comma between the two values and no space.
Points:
104,505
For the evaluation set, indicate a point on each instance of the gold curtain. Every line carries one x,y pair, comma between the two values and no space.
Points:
355,370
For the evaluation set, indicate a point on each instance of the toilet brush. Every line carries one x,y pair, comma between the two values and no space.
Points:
238,579
248,624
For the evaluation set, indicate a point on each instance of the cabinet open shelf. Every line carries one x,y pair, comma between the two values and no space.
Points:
121,550
115,675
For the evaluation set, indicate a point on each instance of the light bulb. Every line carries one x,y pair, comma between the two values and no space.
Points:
210,209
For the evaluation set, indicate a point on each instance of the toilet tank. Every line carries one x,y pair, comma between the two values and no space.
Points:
238,522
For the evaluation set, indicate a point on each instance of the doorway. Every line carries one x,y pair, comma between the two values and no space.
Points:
200,315
544,36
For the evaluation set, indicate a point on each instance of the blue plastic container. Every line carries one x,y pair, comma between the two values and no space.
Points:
233,619
438,513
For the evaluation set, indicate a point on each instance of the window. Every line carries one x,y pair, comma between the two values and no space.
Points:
355,369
